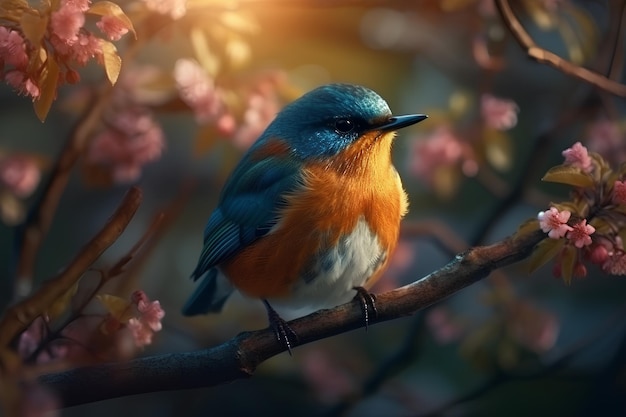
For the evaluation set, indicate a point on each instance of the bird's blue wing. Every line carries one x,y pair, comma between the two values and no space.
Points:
248,208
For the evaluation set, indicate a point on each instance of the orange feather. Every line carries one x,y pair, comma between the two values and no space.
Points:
359,182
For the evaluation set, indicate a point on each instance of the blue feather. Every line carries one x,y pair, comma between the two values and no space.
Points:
248,209
209,296
250,203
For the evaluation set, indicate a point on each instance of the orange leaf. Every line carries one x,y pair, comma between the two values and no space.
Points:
498,149
106,8
112,61
47,82
33,27
118,307
60,304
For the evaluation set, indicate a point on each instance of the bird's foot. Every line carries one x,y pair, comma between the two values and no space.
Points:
284,334
368,304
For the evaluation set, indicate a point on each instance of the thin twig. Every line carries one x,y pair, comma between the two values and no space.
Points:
18,317
544,56
36,227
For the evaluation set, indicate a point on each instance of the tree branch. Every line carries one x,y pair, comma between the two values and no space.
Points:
239,357
544,56
18,317
34,230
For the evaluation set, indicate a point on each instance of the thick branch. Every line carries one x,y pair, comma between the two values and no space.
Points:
239,357
544,56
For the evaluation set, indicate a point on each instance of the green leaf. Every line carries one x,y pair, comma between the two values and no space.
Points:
567,174
545,250
107,8
48,82
112,61
602,226
529,226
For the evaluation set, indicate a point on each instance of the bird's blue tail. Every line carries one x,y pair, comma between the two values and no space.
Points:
210,296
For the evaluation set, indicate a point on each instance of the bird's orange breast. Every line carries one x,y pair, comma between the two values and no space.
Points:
358,183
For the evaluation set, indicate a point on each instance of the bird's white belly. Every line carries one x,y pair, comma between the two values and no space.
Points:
331,279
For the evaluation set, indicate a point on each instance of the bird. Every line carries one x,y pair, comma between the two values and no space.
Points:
311,214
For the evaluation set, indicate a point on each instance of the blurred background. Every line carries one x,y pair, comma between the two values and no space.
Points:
203,78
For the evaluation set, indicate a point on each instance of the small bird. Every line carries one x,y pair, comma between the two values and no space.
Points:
312,211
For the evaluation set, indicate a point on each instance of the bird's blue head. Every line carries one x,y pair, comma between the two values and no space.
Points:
327,120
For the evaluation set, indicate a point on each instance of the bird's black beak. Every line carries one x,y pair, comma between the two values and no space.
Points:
398,122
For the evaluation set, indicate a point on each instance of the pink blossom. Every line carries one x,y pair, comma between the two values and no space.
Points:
262,108
20,175
133,140
198,91
598,254
13,48
113,27
80,5
578,156
148,321
66,22
616,263
175,8
22,84
86,47
31,338
619,192
139,296
442,148
151,314
136,85
580,233
32,341
554,222
142,334
500,114
226,124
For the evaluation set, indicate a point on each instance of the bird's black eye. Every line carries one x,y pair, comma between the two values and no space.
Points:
344,125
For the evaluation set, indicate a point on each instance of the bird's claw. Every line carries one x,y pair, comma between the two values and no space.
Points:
284,333
368,304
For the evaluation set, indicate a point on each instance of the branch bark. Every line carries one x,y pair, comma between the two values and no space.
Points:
239,357
544,56
38,223
18,317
